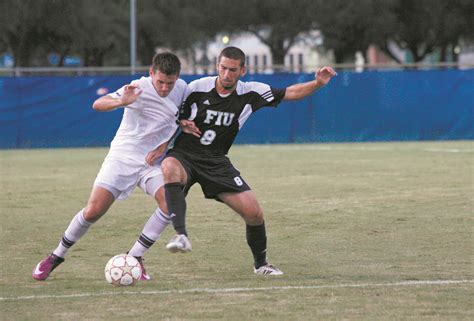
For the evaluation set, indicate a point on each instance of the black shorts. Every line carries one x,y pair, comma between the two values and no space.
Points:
215,175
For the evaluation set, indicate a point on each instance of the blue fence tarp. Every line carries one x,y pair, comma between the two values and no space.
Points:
368,106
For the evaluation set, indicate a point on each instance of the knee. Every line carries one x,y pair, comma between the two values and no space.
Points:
168,168
254,216
172,171
93,212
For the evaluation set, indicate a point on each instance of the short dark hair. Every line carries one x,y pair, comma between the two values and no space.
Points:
233,53
167,63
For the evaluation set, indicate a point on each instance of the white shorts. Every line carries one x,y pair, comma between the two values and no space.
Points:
124,175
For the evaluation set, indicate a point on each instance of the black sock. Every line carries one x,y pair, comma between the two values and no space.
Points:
257,240
176,206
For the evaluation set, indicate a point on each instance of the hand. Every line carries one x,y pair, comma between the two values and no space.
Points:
152,156
324,75
189,127
130,94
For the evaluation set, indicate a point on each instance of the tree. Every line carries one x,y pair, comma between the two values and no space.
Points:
415,30
419,26
352,26
180,24
19,25
183,24
454,23
277,23
101,32
98,31
58,33
164,23
424,26
31,29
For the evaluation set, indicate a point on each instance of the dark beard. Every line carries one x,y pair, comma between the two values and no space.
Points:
225,87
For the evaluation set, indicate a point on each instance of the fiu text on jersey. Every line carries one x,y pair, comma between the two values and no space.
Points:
221,117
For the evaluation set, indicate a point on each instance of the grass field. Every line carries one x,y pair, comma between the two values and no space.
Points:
373,231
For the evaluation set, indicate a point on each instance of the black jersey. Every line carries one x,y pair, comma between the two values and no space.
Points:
220,118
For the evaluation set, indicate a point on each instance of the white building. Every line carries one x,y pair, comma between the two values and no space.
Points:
306,55
303,56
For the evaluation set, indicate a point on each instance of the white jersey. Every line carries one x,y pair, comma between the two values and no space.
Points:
148,122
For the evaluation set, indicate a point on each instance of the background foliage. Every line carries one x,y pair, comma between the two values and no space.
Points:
98,31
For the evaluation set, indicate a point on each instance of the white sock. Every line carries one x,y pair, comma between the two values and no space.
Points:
76,229
151,232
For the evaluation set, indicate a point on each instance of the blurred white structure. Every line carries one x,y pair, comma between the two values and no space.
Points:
304,56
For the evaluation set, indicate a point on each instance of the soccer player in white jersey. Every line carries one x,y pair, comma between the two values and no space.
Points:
149,120
211,118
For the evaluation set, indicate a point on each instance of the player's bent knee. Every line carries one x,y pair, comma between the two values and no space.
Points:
253,216
93,212
172,170
168,167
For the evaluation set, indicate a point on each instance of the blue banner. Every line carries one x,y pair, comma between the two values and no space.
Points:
368,106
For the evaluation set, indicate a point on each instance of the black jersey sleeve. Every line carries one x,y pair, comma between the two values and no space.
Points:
270,98
185,111
264,95
278,95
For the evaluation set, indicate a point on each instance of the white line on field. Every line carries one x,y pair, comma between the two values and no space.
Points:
235,290
364,147
450,150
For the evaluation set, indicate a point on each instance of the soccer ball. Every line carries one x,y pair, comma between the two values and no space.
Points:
123,270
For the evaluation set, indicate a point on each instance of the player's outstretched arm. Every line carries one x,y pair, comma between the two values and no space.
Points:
107,103
298,91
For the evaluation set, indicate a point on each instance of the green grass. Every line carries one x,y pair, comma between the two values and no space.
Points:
338,216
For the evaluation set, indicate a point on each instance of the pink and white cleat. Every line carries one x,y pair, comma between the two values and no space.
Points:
44,268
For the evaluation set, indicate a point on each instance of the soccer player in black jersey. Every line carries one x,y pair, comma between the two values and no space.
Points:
211,117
